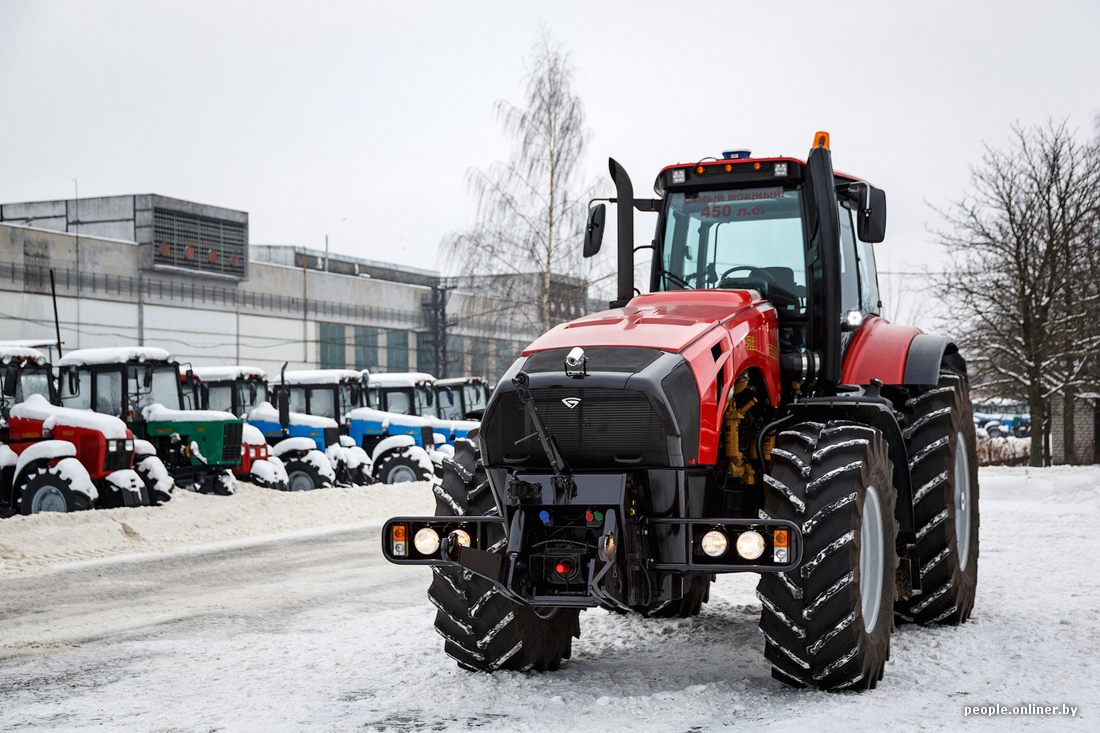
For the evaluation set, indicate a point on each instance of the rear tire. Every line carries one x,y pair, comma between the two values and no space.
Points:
827,623
303,476
45,490
395,468
482,629
943,461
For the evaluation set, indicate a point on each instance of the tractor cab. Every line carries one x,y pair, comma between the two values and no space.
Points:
145,388
403,393
331,393
235,389
460,398
23,372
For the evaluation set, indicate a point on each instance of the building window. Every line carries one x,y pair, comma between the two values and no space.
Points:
397,351
366,348
425,352
333,346
479,357
505,355
456,348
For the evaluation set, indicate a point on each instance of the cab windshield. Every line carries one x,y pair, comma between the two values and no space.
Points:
737,239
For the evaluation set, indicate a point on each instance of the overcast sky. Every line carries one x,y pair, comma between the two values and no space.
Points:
360,119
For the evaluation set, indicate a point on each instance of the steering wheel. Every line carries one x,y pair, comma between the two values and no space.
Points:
764,274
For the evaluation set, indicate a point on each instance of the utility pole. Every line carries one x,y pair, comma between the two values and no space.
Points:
76,222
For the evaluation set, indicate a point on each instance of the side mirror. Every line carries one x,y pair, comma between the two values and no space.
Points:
147,378
251,393
593,233
283,399
430,395
356,395
74,383
871,220
11,378
204,396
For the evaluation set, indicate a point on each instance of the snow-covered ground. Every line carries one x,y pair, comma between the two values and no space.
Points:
312,630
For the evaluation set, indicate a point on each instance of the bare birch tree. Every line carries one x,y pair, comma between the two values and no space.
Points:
524,252
1023,256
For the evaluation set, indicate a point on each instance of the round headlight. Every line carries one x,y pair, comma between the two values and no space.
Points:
750,545
461,537
714,543
426,541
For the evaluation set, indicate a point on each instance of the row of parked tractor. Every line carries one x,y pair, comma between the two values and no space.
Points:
125,426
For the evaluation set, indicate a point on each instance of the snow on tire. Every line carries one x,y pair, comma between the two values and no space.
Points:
396,467
482,629
158,484
827,623
46,489
939,438
303,475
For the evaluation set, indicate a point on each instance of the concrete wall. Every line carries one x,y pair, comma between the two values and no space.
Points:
109,301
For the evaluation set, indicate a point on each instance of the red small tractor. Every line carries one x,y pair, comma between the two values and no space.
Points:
56,459
753,412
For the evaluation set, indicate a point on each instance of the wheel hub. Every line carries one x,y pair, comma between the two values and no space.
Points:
401,474
962,501
300,481
49,499
871,550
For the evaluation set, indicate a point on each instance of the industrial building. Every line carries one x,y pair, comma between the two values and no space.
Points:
157,271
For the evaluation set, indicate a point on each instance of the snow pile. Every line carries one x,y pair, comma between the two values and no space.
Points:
266,412
8,457
37,407
144,448
47,449
127,480
152,467
251,435
196,453
320,461
399,379
73,471
37,543
113,355
293,444
270,472
12,351
157,412
369,414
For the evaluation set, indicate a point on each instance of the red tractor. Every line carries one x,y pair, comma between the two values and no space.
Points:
55,459
751,413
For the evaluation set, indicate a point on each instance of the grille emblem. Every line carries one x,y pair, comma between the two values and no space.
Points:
571,402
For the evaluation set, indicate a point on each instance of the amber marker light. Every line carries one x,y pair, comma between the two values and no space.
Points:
781,546
400,540
821,140
729,168
699,170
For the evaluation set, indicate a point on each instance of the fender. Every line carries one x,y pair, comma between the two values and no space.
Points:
926,354
42,452
879,350
391,443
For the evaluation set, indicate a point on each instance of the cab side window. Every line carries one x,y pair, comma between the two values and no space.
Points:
849,280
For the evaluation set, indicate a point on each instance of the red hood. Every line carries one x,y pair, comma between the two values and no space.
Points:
669,321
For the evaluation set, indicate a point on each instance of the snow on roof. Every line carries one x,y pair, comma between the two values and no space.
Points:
398,379
157,412
113,355
319,376
228,373
9,351
37,407
266,412
451,381
369,414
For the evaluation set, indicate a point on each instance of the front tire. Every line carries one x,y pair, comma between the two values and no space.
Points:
304,476
46,490
483,630
395,467
827,623
943,461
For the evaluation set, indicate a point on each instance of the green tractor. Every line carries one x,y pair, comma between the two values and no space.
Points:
144,387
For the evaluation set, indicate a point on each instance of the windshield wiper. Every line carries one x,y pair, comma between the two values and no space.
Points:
676,279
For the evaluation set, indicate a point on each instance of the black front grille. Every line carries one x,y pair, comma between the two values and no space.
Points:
602,427
231,442
119,458
332,436
628,359
427,436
